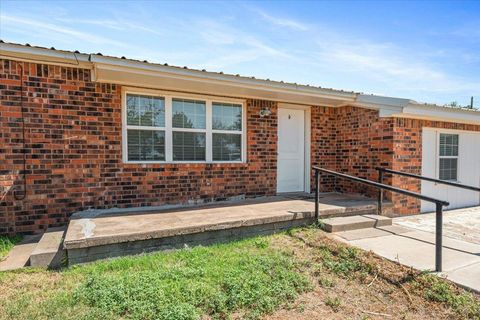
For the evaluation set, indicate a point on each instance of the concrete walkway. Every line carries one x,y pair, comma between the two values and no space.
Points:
461,224
411,241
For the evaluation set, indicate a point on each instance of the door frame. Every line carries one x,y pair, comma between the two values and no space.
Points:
307,139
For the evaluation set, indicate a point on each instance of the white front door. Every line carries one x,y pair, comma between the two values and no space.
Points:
291,150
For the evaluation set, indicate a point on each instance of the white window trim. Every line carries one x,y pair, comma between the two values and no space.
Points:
168,96
448,157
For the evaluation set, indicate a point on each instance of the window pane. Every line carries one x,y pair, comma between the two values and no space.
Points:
448,145
145,111
188,146
146,145
448,169
132,110
158,112
227,147
227,116
188,114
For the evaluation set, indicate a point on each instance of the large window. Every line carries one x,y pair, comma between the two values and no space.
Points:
448,157
172,128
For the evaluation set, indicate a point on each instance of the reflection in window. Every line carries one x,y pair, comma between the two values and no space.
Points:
227,147
145,111
227,116
188,114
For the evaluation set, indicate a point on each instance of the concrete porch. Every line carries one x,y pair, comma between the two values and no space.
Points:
99,234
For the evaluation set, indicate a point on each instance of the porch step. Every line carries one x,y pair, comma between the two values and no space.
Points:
49,251
355,222
19,256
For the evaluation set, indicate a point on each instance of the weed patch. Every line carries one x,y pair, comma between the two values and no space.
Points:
334,259
438,290
343,261
334,303
245,277
326,282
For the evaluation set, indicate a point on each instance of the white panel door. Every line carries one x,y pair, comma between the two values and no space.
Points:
468,169
291,150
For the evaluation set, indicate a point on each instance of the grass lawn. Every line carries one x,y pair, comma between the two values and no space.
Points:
301,274
6,244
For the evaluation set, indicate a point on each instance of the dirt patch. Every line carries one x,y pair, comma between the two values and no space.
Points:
358,285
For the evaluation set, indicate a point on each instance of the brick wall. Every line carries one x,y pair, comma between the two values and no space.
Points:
363,142
354,141
74,155
322,147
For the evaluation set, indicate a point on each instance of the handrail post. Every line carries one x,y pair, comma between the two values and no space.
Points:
438,237
439,204
380,192
317,193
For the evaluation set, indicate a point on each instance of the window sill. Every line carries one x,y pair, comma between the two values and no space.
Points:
184,162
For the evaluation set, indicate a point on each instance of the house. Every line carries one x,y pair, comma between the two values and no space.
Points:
103,132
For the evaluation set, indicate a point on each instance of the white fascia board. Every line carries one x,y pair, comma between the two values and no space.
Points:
437,113
178,79
137,66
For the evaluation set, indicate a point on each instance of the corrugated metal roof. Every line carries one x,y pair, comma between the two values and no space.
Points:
184,67
232,75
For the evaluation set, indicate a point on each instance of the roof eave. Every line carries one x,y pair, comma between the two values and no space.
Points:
150,75
177,79
436,113
239,80
52,56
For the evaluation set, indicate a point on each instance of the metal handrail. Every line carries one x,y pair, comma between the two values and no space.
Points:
438,203
438,216
411,175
